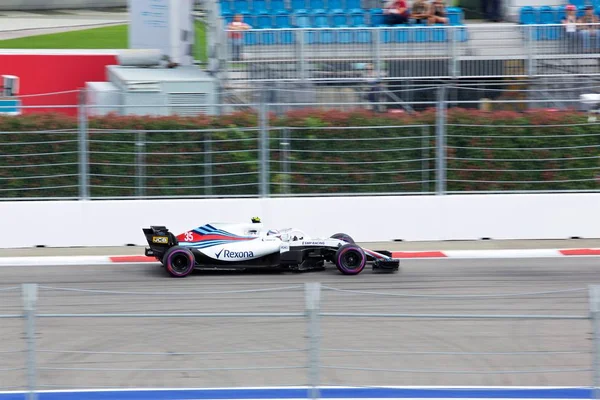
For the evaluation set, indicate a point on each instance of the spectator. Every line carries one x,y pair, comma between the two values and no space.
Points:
589,31
570,22
420,11
235,27
396,12
437,12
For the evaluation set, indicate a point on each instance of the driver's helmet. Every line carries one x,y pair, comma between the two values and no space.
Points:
255,220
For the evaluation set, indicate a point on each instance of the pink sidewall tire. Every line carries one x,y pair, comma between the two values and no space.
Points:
350,259
179,261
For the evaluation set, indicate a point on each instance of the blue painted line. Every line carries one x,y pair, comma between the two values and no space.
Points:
326,393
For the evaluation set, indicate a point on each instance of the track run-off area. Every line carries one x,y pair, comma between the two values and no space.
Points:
458,322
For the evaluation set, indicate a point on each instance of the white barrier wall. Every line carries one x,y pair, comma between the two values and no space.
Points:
410,218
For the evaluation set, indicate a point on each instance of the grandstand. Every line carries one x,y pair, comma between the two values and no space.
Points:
302,45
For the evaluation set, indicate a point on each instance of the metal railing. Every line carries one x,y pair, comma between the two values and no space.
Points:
298,335
410,52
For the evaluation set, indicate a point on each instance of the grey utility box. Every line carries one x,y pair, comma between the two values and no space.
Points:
186,91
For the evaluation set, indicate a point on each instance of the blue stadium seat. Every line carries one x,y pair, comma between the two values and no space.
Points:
376,17
302,19
282,20
455,15
259,7
316,5
321,19
226,8
339,18
250,38
548,15
335,4
266,37
357,18
326,36
578,3
276,6
343,36
400,34
561,13
241,7
249,19
419,34
528,15
461,34
438,34
298,5
580,11
353,5
385,34
264,21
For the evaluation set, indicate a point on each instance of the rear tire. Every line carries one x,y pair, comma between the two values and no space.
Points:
343,236
350,259
179,261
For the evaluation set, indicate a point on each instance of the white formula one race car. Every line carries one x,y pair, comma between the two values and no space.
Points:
249,246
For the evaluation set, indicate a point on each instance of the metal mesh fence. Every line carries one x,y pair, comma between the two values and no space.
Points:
515,158
416,139
424,337
173,163
39,163
235,337
370,159
170,338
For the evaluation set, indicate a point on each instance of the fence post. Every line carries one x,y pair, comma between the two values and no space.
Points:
301,53
313,307
530,48
440,130
425,163
83,147
453,30
29,293
594,293
208,163
263,119
376,51
140,163
285,157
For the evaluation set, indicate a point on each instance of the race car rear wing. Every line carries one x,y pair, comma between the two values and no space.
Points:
159,239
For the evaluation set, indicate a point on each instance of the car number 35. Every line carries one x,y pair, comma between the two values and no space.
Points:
189,236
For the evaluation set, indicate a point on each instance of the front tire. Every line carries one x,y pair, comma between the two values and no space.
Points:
350,259
179,261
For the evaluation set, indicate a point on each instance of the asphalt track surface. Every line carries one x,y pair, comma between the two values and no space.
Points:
421,351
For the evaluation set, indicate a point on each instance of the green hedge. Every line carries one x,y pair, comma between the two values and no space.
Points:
310,151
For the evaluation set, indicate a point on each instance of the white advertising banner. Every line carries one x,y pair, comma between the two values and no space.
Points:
166,25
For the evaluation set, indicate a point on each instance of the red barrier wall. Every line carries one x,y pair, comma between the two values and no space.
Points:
41,74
